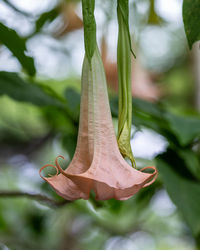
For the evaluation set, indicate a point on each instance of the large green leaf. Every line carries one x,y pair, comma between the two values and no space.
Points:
179,130
191,19
149,108
17,46
146,114
191,160
184,193
17,88
186,128
183,128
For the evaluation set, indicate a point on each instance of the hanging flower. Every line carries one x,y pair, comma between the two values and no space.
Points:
97,163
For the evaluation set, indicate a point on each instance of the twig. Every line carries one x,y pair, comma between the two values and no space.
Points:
38,197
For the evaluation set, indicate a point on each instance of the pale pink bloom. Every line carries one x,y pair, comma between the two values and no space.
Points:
97,163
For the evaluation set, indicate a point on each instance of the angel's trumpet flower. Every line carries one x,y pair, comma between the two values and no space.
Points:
97,163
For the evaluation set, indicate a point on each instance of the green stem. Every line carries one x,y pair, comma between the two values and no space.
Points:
89,25
124,82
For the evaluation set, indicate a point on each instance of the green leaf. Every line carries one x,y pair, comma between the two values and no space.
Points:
178,130
89,27
45,17
146,114
152,109
73,102
69,143
17,88
184,193
191,19
191,161
17,46
185,128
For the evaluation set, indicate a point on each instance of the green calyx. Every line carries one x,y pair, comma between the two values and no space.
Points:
89,23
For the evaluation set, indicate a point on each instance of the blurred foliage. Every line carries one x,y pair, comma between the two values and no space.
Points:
184,191
191,12
46,17
17,46
39,119
17,88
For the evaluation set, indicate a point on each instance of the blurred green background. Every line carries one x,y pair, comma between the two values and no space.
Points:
41,54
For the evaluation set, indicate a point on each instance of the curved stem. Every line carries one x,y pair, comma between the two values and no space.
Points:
34,196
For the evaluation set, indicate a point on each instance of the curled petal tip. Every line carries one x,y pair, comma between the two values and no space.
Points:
154,175
45,166
58,165
60,156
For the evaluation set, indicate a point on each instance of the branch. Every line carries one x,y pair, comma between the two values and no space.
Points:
38,197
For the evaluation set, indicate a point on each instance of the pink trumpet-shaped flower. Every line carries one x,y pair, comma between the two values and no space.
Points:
97,163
